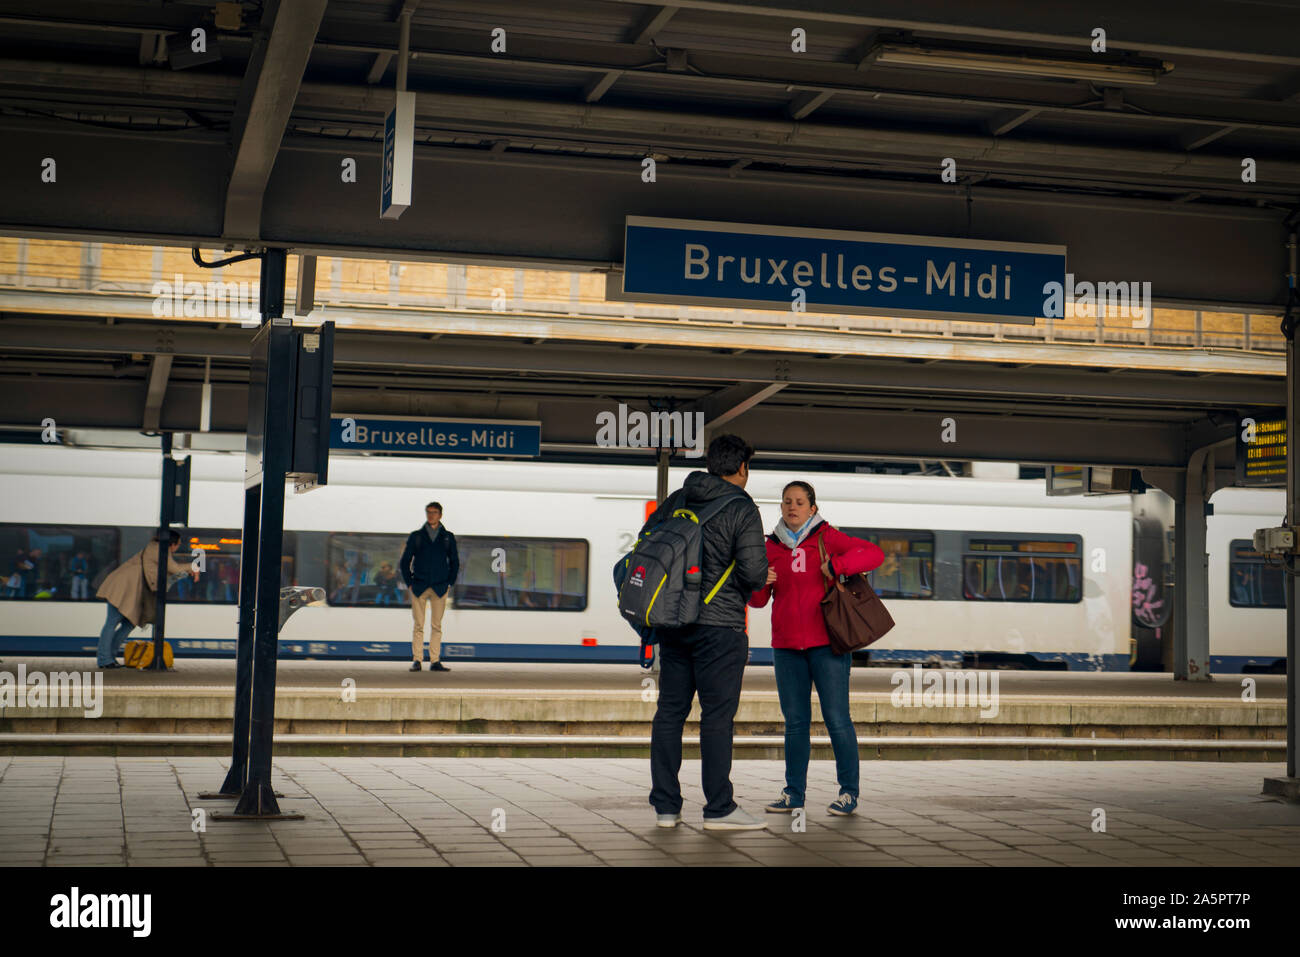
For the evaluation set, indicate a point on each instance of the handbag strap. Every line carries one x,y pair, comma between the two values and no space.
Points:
831,579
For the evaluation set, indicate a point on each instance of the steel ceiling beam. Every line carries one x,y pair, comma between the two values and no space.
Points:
160,367
1006,122
830,337
721,70
266,100
862,433
1195,255
1244,31
1233,31
1047,384
730,136
643,33
650,25
722,406
1194,141
380,64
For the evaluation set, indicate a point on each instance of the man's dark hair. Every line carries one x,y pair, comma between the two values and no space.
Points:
434,505
727,453
173,537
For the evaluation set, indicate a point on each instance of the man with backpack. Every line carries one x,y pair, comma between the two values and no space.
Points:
705,649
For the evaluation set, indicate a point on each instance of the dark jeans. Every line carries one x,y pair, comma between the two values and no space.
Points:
112,636
711,661
796,673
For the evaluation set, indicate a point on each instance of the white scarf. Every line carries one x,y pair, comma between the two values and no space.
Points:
792,538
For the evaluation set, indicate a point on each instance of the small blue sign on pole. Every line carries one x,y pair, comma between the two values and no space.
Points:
833,271
502,438
399,156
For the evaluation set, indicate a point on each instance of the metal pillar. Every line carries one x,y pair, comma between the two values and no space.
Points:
237,776
168,500
259,586
258,798
1292,516
1289,786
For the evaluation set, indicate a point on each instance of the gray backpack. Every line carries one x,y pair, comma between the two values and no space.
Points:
661,581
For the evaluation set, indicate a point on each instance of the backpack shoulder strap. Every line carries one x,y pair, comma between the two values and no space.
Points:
702,515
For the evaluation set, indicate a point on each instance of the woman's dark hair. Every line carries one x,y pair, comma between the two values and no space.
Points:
727,453
173,537
812,496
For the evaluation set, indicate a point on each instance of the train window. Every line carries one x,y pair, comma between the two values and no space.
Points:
1028,568
218,582
363,569
533,574
1253,581
55,562
908,568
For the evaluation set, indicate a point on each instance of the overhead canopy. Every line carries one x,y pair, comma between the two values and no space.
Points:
533,153
1172,157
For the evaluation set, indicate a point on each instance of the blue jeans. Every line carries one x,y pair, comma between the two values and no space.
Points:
796,673
113,636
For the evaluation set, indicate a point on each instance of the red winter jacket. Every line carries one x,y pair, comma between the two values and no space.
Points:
797,621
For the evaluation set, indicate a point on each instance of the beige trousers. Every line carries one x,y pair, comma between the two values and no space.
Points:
436,607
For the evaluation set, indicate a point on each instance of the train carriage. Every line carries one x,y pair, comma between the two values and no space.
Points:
988,572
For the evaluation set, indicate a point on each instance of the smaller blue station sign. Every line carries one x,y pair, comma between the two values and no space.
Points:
409,436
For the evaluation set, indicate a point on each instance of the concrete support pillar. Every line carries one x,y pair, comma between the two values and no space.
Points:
1191,657
1192,567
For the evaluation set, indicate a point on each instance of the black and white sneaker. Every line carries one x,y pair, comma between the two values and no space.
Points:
438,666
415,666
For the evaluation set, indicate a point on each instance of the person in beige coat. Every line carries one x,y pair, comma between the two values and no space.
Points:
131,596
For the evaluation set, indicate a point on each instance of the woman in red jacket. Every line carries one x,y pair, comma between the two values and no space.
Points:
796,577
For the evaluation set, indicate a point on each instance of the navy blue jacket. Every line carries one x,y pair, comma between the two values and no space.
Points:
427,564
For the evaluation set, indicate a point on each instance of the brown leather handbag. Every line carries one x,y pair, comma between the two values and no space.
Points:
855,615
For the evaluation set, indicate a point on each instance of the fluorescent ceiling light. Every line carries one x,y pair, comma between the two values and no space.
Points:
896,54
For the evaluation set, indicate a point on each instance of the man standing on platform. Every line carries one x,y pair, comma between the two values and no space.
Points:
707,658
429,565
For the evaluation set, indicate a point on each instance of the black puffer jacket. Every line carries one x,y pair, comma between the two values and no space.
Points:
735,533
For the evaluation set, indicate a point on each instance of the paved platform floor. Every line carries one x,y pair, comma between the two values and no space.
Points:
550,811
292,674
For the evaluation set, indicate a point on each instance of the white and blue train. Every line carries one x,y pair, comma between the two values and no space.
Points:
978,571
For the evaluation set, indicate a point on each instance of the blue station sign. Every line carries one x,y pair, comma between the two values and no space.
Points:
834,271
503,438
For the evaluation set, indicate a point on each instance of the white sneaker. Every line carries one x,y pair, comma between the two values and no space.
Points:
737,820
668,820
